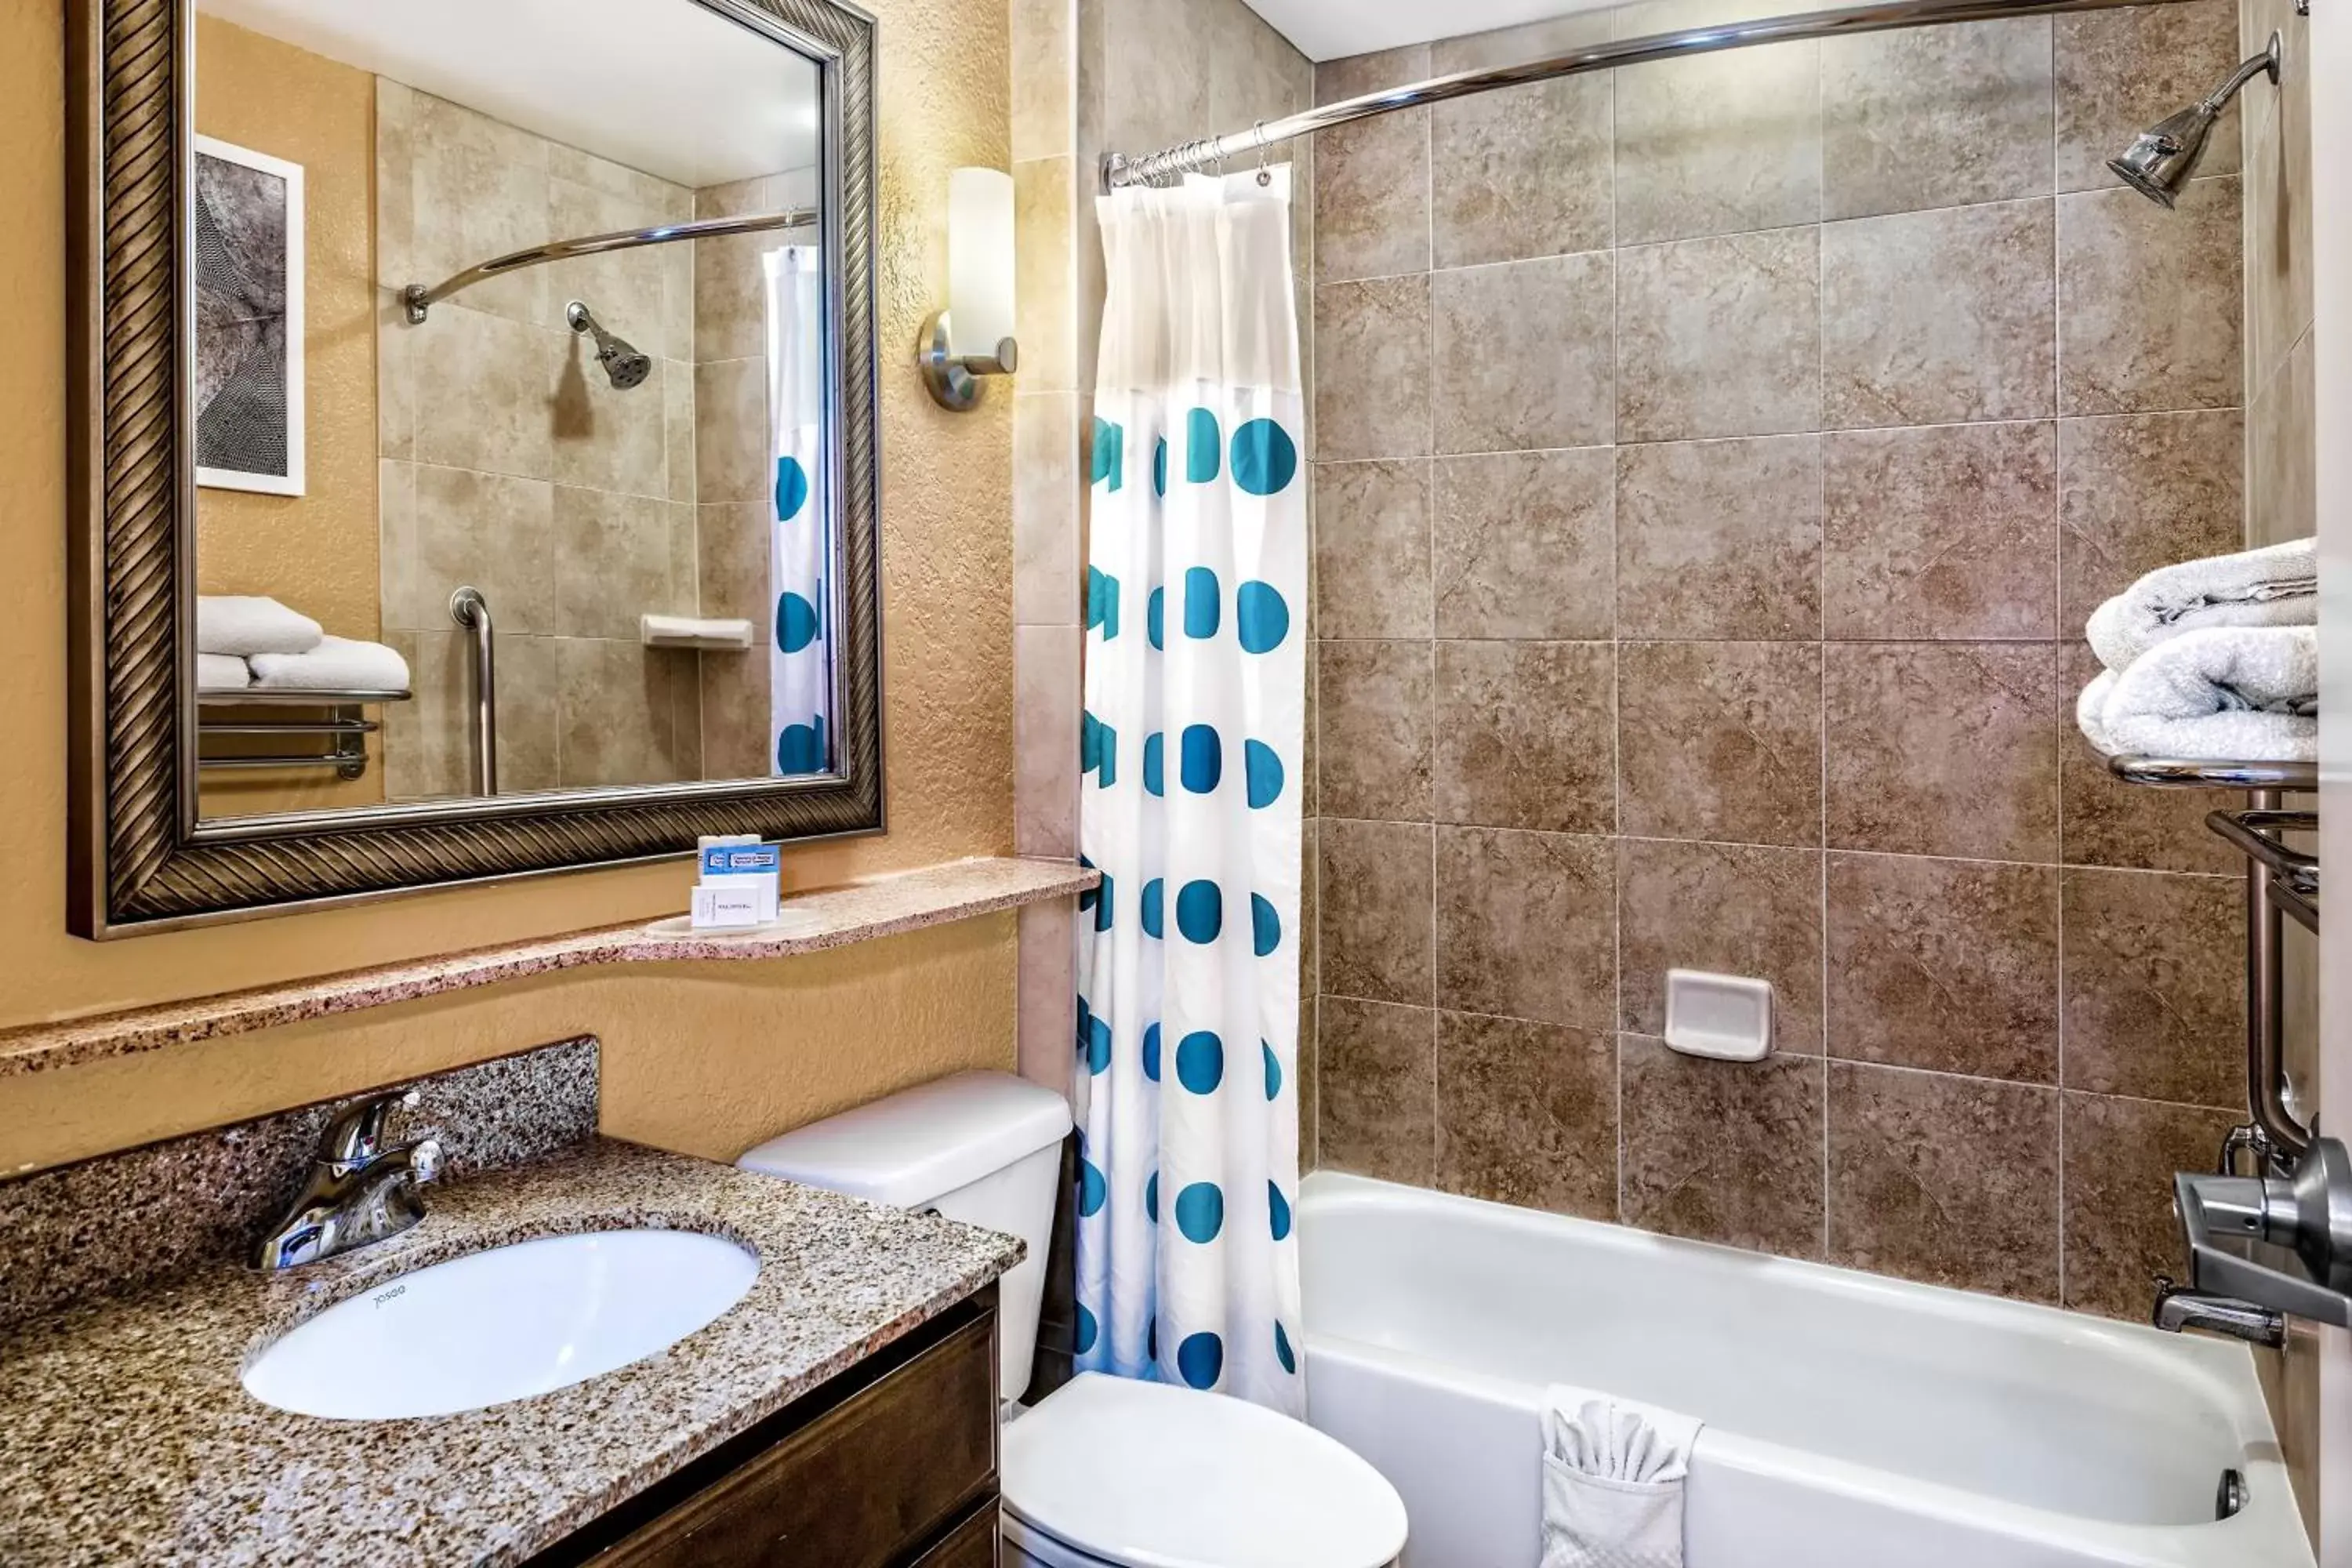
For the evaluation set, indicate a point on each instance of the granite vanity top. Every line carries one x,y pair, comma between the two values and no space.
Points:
129,1439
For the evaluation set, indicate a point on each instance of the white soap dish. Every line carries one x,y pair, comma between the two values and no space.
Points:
1729,1016
688,632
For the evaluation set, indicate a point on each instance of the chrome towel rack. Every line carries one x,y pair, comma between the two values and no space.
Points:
343,724
2281,880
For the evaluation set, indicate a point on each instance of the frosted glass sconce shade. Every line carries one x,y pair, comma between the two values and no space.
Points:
974,336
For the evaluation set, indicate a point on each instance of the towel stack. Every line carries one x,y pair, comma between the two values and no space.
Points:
2213,660
257,644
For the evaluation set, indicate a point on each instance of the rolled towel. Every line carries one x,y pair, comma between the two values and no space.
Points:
222,672
336,664
2274,586
1613,1481
242,625
2222,694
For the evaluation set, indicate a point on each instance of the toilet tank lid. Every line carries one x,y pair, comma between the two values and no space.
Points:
910,1148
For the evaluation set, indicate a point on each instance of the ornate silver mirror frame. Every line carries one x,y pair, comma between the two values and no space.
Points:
139,859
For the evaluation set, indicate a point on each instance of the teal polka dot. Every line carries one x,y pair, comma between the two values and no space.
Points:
1151,1198
1097,749
1282,1351
1102,903
1087,900
1272,1069
1265,925
1102,602
1201,1062
1092,1189
1098,1045
1110,454
1204,758
1200,1359
1089,1331
1155,618
1151,1340
1262,618
1201,1211
1200,911
1155,902
1155,764
1203,454
1265,458
800,748
1262,769
792,489
1086,1019
1151,1053
796,623
1201,612
1277,1212
1160,467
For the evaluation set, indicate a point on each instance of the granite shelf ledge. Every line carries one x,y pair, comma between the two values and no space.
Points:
834,917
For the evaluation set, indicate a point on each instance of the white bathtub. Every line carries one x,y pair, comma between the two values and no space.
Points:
1852,1422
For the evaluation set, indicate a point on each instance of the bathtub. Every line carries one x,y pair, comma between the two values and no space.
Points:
1852,1421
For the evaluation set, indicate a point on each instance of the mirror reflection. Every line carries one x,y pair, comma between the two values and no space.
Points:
510,371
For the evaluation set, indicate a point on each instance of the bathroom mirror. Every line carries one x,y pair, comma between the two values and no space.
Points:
475,441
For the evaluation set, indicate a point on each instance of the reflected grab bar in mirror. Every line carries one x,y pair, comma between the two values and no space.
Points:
470,610
420,300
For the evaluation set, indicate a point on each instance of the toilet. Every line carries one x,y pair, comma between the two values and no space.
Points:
1105,1472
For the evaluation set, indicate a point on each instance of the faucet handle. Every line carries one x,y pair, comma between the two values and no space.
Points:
356,1135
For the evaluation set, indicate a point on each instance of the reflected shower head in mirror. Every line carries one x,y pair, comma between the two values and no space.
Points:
2161,158
621,360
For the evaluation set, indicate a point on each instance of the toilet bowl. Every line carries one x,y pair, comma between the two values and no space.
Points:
1105,1472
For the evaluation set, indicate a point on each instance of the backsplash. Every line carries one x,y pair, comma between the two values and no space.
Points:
1716,460
116,1222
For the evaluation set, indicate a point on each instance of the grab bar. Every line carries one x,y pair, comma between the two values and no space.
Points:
470,610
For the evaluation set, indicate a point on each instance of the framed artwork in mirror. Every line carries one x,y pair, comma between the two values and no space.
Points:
474,450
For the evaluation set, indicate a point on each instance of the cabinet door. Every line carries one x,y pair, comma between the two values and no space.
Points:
973,1545
858,1488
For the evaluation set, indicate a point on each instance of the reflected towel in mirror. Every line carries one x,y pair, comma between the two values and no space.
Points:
336,664
243,624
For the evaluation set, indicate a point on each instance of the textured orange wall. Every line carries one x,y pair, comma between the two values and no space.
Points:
946,554
319,551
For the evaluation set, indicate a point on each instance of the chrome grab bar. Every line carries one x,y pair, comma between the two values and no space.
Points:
420,300
470,610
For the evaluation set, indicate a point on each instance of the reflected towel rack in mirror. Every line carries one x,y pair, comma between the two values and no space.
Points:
346,727
421,300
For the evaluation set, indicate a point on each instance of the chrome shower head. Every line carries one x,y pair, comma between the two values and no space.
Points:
621,360
2161,158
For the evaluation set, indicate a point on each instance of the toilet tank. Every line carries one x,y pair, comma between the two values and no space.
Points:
981,1147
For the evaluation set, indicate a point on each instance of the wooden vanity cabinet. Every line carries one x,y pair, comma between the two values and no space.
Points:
890,1465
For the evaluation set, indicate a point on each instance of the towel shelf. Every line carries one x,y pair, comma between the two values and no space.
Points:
2181,772
344,726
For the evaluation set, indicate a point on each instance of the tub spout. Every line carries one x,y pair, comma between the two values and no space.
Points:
2196,1311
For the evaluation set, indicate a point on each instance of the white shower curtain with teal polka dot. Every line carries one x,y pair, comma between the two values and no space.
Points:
800,672
1195,697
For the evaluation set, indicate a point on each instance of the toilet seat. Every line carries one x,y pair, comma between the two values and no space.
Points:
1107,1472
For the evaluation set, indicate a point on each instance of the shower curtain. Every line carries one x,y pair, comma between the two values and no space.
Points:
800,676
1190,740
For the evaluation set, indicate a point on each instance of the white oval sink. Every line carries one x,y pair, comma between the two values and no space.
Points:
503,1324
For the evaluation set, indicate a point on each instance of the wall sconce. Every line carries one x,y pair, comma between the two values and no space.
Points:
974,337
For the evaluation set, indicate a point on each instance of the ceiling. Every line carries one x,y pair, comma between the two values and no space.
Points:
1332,29
697,99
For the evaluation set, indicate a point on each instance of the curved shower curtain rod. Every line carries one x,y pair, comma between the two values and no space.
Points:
421,300
1186,157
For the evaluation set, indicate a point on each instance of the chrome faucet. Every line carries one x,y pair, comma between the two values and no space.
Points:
2179,1310
358,1191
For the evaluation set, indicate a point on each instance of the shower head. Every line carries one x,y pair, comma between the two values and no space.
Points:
2161,158
621,360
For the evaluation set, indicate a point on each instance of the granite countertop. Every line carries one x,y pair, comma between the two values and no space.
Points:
129,1438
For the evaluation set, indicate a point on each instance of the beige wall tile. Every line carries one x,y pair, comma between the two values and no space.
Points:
1375,1089
1046,491
2275,124
1719,337
677,430
1371,550
1523,172
1375,729
1371,178
482,383
2156,992
530,673
1526,925
611,562
1045,996
2283,494
1526,735
1719,144
1376,909
627,289
2119,72
1045,314
492,531
1045,78
1526,1114
615,702
1723,1152
2141,492
1046,699
1936,117
1932,316
2148,302
2119,1228
731,565
1520,544
1720,741
1721,539
606,439
1522,355
1729,908
1946,532
736,741
480,191
1372,369
731,444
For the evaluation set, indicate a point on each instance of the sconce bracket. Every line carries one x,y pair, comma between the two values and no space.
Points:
954,379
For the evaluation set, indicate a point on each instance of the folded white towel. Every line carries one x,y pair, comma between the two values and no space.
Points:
2223,693
686,631
222,672
2274,586
1613,1481
336,664
244,626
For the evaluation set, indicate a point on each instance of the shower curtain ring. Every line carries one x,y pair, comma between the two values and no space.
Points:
1264,175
